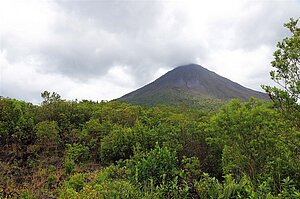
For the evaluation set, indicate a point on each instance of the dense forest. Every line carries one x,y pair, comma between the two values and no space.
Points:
87,149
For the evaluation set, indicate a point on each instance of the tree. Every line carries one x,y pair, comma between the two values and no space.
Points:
16,122
287,74
48,97
254,140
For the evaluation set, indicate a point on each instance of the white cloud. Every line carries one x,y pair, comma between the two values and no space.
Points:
24,81
102,49
247,67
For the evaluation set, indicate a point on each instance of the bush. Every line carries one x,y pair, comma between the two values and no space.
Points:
254,140
76,182
77,153
208,187
47,132
114,189
158,165
190,168
108,183
69,165
117,145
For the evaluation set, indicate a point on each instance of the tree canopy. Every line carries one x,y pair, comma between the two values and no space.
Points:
286,74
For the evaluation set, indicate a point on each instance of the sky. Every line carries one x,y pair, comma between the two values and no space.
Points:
103,49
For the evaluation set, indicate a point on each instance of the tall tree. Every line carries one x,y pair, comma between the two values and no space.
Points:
287,74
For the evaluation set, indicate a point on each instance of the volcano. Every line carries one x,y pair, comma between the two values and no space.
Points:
191,84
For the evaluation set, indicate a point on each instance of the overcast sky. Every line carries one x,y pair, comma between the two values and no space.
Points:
103,49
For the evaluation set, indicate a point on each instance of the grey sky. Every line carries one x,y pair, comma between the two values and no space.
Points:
97,49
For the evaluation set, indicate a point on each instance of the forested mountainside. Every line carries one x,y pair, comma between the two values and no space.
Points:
71,149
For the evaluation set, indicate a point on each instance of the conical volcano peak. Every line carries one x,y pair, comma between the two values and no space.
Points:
188,77
190,68
191,81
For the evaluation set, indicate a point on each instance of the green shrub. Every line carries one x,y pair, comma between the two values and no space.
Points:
16,122
252,139
47,133
76,182
208,187
25,195
288,189
111,172
69,165
68,193
160,164
77,153
190,168
117,145
114,189
108,183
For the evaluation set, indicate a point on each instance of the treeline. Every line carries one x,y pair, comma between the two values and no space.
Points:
71,149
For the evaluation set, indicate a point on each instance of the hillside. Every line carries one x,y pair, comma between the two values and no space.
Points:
193,85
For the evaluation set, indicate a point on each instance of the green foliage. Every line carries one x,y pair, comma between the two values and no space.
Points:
108,183
117,145
110,189
158,166
92,134
208,187
75,154
96,129
115,189
112,172
69,115
254,141
69,165
16,122
287,74
288,189
190,170
76,182
26,195
47,133
119,113
50,98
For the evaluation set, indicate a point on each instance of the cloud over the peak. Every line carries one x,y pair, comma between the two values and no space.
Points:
102,49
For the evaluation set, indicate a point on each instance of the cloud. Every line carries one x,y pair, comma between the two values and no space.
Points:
24,81
102,49
241,65
96,36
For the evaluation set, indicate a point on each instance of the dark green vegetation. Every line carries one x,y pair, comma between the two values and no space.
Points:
286,74
192,85
71,149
